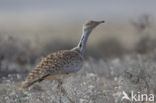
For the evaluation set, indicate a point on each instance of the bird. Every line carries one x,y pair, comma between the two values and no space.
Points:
60,64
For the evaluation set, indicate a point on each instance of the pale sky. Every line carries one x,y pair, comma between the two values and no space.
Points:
74,9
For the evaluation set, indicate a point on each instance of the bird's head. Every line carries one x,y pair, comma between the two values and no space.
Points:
90,25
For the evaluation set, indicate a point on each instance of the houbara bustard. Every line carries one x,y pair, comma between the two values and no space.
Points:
58,65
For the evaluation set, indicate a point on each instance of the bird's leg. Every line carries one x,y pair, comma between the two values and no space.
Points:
59,87
62,90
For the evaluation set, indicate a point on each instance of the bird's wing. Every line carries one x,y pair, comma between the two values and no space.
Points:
51,65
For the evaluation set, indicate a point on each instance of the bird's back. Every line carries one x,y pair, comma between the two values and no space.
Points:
57,63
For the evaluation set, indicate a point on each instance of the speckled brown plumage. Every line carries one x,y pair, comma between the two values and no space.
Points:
58,63
61,63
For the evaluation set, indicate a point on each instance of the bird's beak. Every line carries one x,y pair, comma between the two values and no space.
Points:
99,22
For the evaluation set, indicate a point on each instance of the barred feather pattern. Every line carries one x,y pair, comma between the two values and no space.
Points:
62,62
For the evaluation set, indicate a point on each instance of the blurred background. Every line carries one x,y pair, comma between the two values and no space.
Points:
29,30
121,53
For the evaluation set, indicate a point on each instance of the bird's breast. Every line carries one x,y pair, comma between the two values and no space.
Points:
73,66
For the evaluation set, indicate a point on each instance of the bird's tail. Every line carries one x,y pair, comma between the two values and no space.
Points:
26,85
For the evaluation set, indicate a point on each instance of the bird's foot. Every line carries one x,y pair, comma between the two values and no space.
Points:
63,91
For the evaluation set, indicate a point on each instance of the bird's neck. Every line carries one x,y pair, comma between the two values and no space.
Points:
82,43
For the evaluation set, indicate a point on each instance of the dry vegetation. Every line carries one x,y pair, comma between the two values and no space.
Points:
97,82
112,70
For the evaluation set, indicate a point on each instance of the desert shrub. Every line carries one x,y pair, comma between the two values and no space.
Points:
142,26
97,82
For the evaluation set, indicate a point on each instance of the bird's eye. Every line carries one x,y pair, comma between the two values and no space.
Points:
89,23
